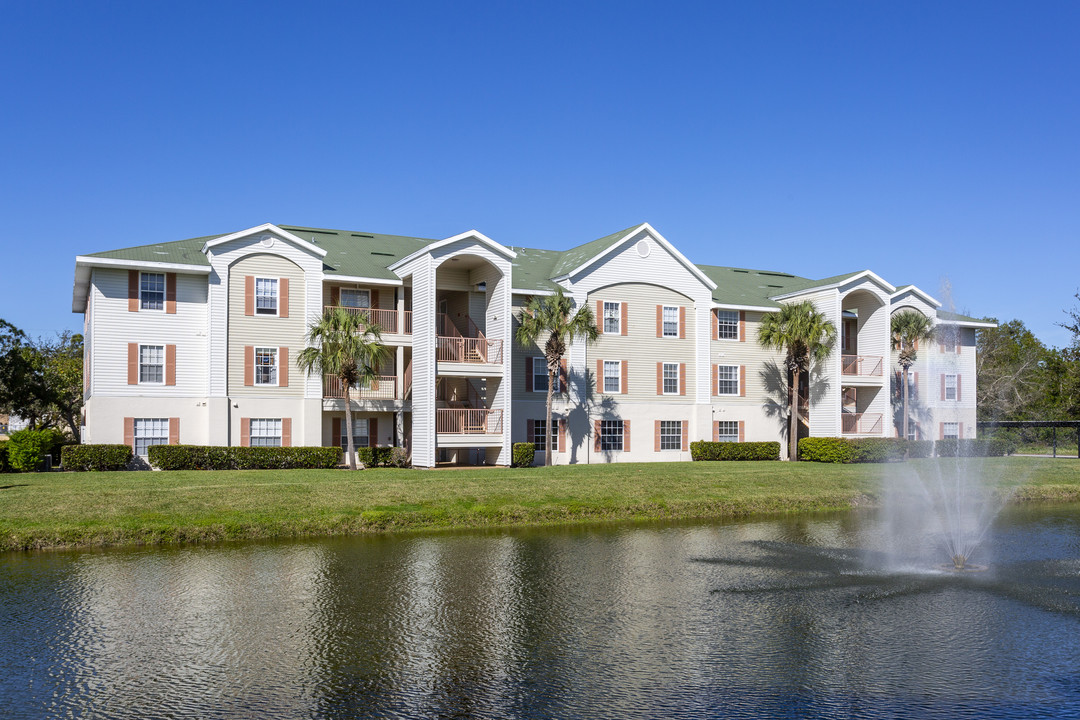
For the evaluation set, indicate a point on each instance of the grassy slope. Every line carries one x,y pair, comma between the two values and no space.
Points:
63,509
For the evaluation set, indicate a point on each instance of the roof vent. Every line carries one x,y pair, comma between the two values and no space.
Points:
385,254
362,235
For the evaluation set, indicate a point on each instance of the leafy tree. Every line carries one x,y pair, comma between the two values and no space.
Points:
909,328
1011,372
1073,325
347,346
553,319
42,381
806,337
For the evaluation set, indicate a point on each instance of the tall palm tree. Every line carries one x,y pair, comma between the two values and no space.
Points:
347,346
554,317
909,328
806,336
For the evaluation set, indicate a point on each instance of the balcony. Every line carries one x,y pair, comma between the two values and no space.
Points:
468,421
862,365
860,423
388,321
383,388
468,347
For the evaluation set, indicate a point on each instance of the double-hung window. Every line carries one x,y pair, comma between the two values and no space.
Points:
612,376
611,434
540,375
266,370
360,434
152,364
539,437
727,324
149,432
265,432
727,431
671,321
951,431
151,291
671,378
612,317
355,298
671,434
727,379
266,296
950,387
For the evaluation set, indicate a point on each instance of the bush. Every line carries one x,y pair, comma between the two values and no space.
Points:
399,458
27,448
826,450
210,457
971,448
377,456
5,466
920,449
704,450
523,455
877,450
96,457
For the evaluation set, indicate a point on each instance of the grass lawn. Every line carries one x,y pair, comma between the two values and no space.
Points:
68,509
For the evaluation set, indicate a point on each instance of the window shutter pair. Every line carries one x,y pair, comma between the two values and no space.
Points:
682,321
623,380
623,313
133,292
283,296
129,431
282,366
133,364
245,432
943,386
716,431
596,435
684,439
660,378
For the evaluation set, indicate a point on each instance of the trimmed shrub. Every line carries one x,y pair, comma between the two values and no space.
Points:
523,455
27,448
372,456
826,450
920,448
877,450
705,450
5,466
971,448
210,457
399,458
81,458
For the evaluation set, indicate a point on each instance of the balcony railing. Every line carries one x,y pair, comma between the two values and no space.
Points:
468,421
388,321
860,423
861,365
468,350
384,388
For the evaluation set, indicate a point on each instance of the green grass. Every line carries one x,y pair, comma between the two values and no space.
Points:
79,509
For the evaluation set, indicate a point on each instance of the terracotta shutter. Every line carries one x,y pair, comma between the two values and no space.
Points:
286,432
742,381
528,375
742,326
626,435
283,297
373,432
941,431
283,367
170,293
245,432
623,329
959,431
600,316
133,291
715,379
335,296
656,436
685,435
129,432
249,294
335,432
742,431
943,386
374,298
170,364
562,435
659,378
682,378
659,321
916,385
716,431
530,431
715,324
249,365
563,386
133,364
599,376
174,431
957,388
624,379
682,322
596,435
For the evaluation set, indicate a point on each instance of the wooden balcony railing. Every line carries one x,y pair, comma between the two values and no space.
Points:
468,350
860,423
388,321
384,388
468,421
862,365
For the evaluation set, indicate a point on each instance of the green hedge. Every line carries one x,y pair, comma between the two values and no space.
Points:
5,466
523,455
851,450
920,448
382,457
994,447
96,457
704,450
27,448
212,457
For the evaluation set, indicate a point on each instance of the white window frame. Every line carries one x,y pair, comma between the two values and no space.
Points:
538,434
952,388
664,378
142,364
954,434
268,429
617,376
143,291
615,317
145,430
360,295
727,431
664,321
671,434
275,371
611,435
725,323
275,285
721,380
356,436
913,430
539,370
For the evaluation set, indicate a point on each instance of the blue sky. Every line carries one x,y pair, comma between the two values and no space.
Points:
930,142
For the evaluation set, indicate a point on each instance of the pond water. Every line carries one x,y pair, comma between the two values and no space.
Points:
779,618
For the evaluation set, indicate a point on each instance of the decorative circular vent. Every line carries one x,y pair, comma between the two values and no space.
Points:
643,248
267,241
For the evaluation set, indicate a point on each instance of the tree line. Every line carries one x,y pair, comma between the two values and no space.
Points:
41,380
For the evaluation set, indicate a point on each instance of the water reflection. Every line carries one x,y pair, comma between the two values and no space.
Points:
787,617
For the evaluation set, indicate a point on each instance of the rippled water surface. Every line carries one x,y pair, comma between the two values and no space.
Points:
784,618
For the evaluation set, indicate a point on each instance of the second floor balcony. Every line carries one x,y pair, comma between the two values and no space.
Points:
468,421
465,344
383,387
388,321
861,423
862,365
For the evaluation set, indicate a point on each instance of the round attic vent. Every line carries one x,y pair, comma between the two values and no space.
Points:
267,241
643,248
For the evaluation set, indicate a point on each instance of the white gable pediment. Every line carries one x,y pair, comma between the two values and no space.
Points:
263,236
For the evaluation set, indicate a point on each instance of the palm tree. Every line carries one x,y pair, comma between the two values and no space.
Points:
552,316
347,346
909,328
806,336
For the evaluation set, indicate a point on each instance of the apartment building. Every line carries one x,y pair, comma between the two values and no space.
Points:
195,341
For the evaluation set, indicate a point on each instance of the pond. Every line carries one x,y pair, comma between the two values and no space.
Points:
787,617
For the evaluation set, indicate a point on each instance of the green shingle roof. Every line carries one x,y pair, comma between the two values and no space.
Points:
187,252
574,257
359,254
742,286
957,317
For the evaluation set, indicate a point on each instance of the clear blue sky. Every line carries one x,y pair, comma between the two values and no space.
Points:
922,140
